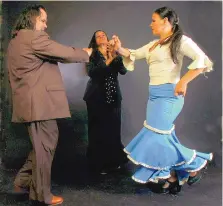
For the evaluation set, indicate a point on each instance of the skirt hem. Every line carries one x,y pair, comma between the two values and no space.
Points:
159,168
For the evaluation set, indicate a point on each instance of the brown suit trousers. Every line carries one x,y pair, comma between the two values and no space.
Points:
36,172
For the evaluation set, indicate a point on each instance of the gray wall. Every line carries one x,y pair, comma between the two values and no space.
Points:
73,23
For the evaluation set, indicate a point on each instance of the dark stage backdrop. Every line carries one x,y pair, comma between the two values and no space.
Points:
73,23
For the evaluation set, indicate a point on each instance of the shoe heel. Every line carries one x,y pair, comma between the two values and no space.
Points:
174,187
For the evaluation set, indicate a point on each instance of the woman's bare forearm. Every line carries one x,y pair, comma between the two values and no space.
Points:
123,52
190,75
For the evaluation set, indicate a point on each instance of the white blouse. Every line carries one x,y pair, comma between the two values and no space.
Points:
162,69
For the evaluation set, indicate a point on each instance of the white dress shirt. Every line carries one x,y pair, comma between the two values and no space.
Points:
162,69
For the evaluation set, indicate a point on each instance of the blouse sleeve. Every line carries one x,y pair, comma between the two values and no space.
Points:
200,60
136,54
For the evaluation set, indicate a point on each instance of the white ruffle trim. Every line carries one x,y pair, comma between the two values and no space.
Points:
203,165
151,180
156,180
160,168
158,130
183,181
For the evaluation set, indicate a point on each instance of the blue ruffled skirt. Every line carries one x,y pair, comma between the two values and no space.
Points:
156,148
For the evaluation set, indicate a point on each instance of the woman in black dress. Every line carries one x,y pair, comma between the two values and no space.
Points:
103,99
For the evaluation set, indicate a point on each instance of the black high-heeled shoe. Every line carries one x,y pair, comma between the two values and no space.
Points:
174,188
195,179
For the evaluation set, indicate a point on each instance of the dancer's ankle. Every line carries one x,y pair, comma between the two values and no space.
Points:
166,185
172,179
169,180
193,174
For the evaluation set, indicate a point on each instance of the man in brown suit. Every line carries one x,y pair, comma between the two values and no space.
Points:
38,96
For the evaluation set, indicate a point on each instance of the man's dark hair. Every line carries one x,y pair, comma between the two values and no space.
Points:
26,19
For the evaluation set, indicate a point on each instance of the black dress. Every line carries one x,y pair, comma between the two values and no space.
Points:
103,98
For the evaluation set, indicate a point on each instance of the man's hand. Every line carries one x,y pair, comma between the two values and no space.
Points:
88,50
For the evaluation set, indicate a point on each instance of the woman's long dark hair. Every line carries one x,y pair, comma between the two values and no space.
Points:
26,19
93,43
175,38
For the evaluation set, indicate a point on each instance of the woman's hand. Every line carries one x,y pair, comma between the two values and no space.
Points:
117,43
112,42
110,49
118,47
181,88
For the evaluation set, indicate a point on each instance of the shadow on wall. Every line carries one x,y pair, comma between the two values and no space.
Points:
71,146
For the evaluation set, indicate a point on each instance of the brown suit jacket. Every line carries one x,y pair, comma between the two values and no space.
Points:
38,92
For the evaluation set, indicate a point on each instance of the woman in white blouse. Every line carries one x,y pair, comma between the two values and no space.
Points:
156,149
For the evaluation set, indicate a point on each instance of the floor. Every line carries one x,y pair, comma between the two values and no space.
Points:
117,189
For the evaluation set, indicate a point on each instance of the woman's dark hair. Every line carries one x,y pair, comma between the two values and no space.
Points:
26,19
175,38
93,43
